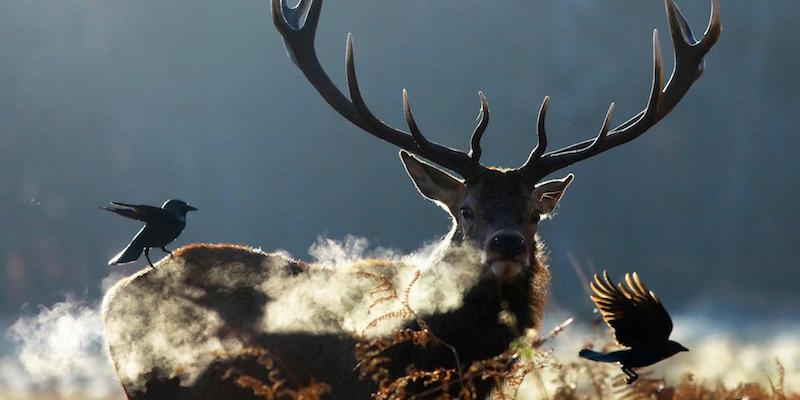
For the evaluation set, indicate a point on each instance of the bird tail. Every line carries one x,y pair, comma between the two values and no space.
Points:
596,356
128,254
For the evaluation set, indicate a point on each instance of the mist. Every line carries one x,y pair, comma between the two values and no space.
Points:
61,349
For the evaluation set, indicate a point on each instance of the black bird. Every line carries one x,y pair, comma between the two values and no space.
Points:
162,226
639,321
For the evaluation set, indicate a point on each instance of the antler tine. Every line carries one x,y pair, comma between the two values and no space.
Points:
688,52
287,18
477,134
679,28
352,85
541,135
601,136
682,32
299,42
412,125
558,159
419,144
714,29
688,67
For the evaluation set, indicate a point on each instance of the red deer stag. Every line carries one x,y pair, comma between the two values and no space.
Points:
185,329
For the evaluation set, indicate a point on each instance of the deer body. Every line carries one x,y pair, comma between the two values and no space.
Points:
217,321
180,331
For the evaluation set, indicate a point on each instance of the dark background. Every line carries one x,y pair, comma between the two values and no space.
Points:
148,100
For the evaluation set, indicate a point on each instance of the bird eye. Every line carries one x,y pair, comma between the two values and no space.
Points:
535,217
466,212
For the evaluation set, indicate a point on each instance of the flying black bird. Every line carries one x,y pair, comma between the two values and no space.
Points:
162,226
639,321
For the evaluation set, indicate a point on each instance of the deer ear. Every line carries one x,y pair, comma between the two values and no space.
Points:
432,182
549,193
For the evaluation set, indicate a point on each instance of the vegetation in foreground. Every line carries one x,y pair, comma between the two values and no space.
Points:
577,380
527,360
574,381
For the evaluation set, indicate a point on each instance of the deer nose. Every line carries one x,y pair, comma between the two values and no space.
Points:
508,244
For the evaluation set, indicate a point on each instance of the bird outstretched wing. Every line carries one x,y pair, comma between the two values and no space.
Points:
634,313
139,212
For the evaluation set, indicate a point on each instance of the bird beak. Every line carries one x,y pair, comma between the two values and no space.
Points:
190,208
684,349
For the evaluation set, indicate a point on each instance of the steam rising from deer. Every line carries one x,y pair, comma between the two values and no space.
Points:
229,298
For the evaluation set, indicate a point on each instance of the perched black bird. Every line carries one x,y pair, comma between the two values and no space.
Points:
162,226
639,321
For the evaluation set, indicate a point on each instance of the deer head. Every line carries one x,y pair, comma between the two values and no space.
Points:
497,210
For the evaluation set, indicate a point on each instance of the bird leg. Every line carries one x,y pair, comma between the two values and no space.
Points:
147,256
164,248
632,376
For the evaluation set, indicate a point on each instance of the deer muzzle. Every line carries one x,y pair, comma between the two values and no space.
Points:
506,254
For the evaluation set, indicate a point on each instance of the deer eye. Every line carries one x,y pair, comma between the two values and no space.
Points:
466,212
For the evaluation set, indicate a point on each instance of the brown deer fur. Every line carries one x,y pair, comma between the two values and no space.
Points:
137,305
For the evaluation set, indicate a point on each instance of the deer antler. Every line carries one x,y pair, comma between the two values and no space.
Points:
299,39
689,65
